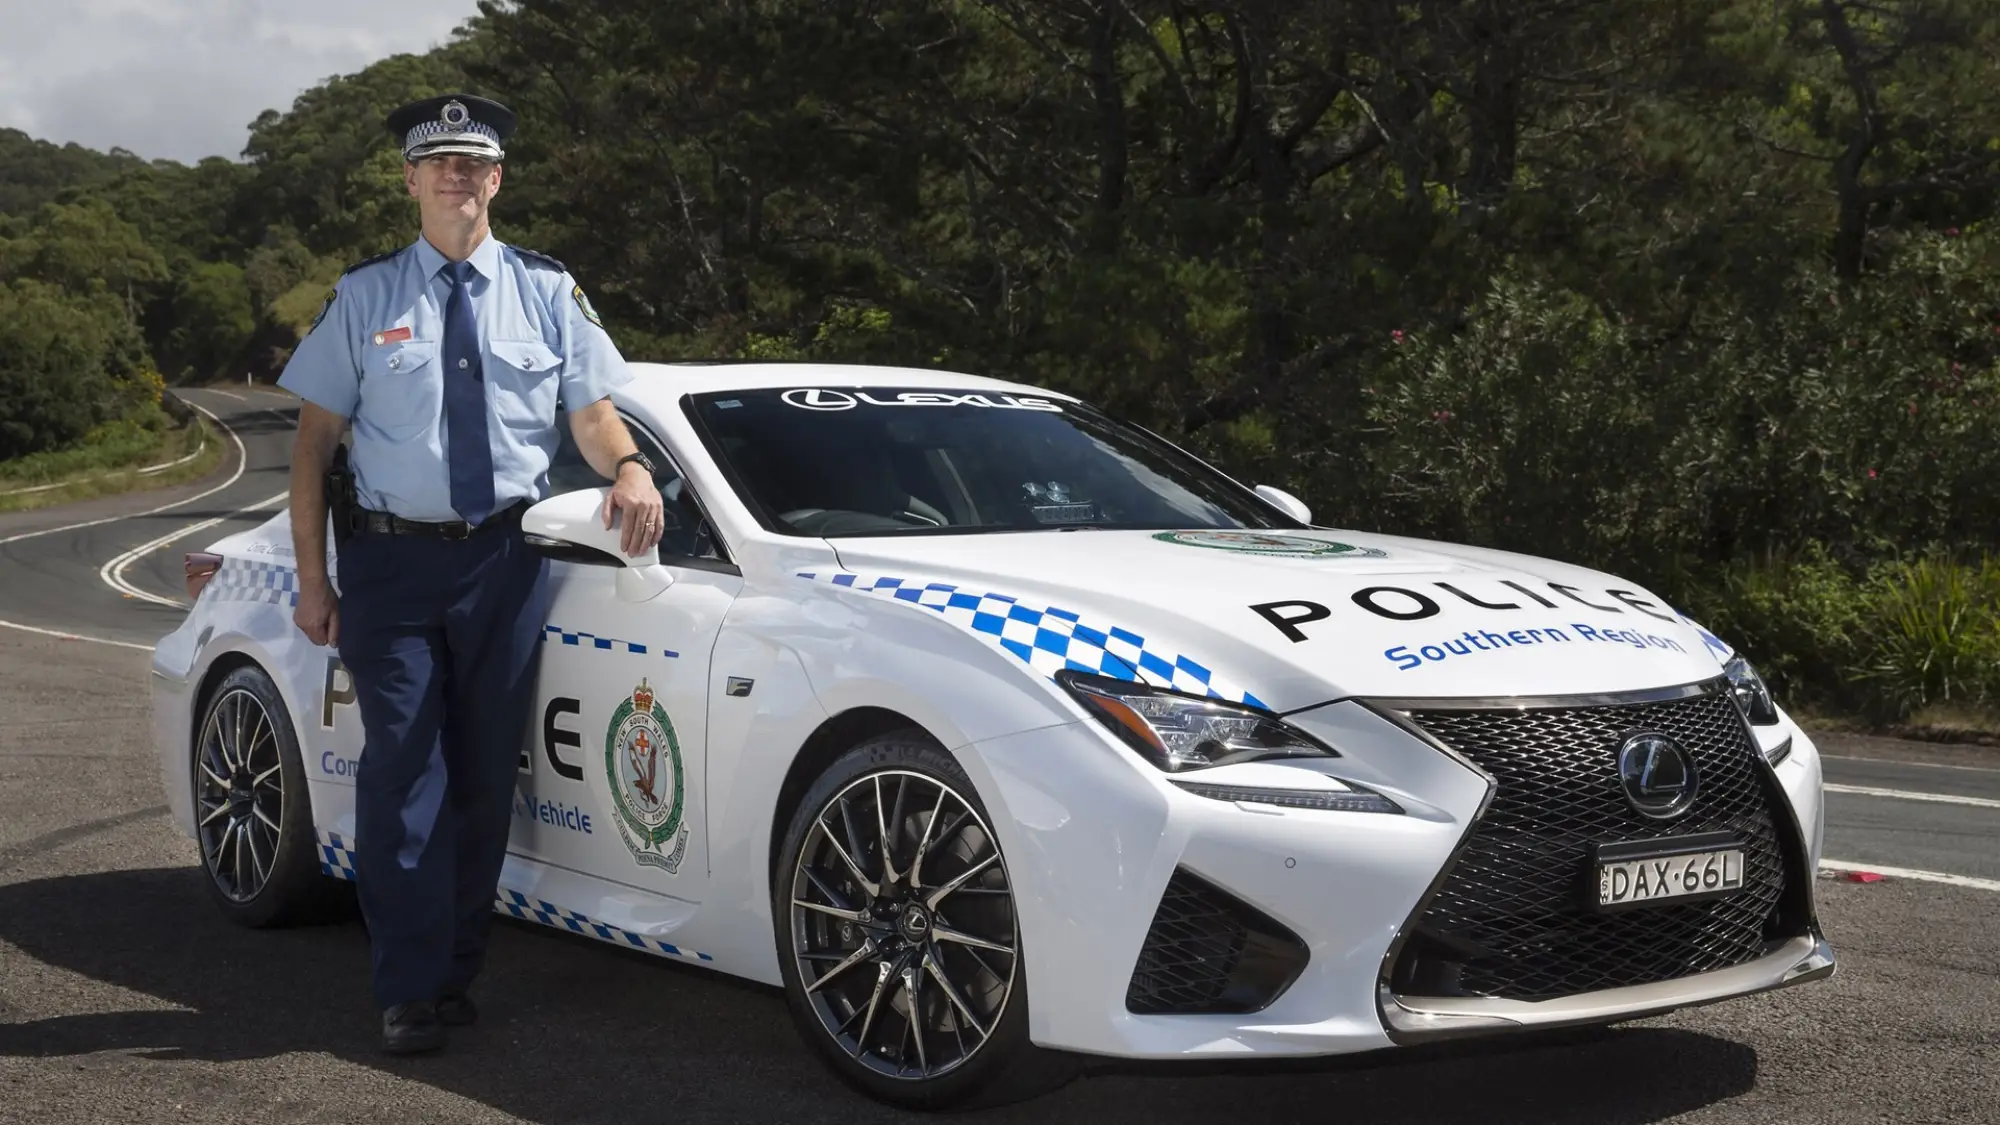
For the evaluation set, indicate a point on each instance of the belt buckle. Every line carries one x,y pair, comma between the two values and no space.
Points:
457,529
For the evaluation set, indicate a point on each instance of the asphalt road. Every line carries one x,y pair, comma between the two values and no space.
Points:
54,579
125,997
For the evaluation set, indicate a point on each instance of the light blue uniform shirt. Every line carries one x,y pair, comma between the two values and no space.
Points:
375,356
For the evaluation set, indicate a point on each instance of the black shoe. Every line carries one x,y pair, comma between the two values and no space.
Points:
456,1009
412,1029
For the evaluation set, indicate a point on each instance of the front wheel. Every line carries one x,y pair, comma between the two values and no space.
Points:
897,936
253,816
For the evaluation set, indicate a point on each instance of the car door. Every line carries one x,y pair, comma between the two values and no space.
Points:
612,772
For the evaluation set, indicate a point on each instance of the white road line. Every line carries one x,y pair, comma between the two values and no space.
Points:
231,394
1909,795
1926,765
113,572
1944,877
242,461
74,636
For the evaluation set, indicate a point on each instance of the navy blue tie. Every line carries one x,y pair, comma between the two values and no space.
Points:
465,402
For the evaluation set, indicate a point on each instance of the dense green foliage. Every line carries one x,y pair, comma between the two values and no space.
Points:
1664,288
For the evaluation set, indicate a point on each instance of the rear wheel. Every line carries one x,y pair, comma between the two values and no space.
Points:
895,921
253,815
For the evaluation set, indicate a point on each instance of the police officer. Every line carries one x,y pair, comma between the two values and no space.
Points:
448,357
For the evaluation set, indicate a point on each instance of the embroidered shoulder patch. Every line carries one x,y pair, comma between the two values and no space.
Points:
583,304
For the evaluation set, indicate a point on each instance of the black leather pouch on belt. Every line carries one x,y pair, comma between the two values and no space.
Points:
341,501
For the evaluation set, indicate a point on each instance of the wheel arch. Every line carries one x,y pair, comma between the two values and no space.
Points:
828,741
211,678
219,669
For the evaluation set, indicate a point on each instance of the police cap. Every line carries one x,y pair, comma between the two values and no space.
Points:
459,123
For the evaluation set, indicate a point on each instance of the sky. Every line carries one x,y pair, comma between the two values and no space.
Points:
183,79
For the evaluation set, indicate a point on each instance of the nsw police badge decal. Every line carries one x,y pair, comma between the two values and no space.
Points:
642,765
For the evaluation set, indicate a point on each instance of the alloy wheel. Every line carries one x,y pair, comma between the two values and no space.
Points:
239,794
903,925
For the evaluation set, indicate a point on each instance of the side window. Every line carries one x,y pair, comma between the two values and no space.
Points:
686,536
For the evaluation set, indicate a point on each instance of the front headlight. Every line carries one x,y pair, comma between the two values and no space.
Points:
1185,732
1751,695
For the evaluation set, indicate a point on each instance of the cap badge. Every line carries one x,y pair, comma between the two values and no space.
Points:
455,114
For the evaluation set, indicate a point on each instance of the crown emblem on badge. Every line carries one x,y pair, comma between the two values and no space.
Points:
454,114
642,697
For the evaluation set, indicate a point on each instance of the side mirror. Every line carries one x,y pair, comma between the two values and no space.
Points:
568,527
1285,502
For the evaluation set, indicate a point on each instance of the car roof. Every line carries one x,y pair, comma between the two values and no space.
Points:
701,376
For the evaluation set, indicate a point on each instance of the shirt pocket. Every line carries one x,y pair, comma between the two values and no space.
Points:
526,378
400,389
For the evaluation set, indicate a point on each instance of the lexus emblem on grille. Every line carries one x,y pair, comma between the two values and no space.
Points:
1658,775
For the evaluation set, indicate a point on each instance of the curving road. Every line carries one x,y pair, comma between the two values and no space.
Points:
124,996
96,567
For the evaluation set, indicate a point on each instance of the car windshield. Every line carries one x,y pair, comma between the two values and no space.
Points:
896,460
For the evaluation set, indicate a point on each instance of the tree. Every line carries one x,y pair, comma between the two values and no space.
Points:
66,364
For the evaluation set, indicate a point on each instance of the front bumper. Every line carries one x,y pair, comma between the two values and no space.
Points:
1422,1020
1094,838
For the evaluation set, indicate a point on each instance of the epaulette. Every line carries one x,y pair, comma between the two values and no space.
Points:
365,263
538,257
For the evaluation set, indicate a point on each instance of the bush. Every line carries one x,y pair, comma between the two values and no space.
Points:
122,443
1801,617
1860,416
1932,637
1881,645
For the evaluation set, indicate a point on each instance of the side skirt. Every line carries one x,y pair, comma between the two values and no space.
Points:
336,859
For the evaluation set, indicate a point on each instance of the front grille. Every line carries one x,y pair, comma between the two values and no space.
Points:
1509,919
1209,951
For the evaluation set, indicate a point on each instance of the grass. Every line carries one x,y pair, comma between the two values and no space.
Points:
107,463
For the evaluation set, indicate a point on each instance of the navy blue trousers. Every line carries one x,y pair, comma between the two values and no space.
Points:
441,639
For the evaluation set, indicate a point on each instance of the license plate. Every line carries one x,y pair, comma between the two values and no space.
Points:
1668,878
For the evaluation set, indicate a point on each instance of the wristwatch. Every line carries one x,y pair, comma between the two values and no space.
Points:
645,463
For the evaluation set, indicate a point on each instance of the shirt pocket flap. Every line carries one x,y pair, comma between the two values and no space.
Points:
525,355
410,355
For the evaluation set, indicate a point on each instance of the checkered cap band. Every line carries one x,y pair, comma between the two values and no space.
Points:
1050,638
436,136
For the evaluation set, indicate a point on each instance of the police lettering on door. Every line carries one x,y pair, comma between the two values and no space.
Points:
558,744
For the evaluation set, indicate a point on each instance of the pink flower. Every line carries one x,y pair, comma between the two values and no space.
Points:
1951,232
1397,335
1871,474
1440,415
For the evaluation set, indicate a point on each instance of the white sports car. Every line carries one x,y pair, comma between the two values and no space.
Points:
997,731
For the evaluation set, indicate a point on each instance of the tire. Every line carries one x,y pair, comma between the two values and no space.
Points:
969,1045
259,849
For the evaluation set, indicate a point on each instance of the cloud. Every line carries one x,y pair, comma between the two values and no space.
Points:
183,79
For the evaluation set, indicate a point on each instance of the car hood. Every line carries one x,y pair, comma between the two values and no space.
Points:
1293,619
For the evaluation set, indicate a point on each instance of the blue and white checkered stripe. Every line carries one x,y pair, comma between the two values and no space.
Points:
556,634
336,858
549,914
336,855
242,580
1050,639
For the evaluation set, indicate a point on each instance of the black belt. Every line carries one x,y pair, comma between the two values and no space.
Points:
385,523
